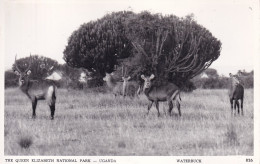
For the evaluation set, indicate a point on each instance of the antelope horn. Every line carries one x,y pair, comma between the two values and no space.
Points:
15,63
30,63
51,68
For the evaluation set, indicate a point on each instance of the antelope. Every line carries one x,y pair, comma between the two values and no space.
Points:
165,92
84,79
140,88
36,90
130,88
120,88
113,85
236,92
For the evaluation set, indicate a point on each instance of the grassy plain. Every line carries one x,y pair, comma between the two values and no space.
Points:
89,123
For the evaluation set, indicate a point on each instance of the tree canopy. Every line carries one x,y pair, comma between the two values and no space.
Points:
97,45
172,48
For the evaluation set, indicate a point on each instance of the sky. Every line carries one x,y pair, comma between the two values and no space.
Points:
43,27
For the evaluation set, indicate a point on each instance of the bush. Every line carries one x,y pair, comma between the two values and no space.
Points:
11,79
188,86
25,142
221,82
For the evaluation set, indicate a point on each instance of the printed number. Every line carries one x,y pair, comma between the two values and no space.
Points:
249,160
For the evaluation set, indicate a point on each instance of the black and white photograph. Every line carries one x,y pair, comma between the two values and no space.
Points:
110,81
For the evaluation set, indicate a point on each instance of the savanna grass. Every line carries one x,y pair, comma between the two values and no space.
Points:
90,123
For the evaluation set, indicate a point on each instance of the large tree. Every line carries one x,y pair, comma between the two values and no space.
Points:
172,48
97,46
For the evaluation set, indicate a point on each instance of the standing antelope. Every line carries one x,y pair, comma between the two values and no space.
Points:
164,92
236,92
124,88
115,87
36,90
139,89
130,88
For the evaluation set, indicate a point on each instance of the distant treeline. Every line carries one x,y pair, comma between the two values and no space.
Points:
209,79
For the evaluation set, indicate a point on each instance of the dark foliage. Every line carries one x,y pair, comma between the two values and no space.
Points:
40,66
97,46
11,79
174,49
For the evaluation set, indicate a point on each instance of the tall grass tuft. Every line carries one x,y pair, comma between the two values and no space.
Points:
25,142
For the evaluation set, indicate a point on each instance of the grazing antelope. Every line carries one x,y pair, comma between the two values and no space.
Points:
164,92
236,92
36,90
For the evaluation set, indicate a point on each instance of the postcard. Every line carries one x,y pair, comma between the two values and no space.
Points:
127,81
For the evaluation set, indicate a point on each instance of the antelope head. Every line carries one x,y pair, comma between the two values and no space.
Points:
108,77
23,75
147,81
235,79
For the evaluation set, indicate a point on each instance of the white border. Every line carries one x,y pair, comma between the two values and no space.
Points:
150,159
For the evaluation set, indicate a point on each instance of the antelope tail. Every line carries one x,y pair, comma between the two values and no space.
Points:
175,95
179,96
54,92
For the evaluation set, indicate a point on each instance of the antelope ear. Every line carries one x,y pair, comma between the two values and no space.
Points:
123,78
142,76
28,72
152,76
128,78
239,74
16,72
